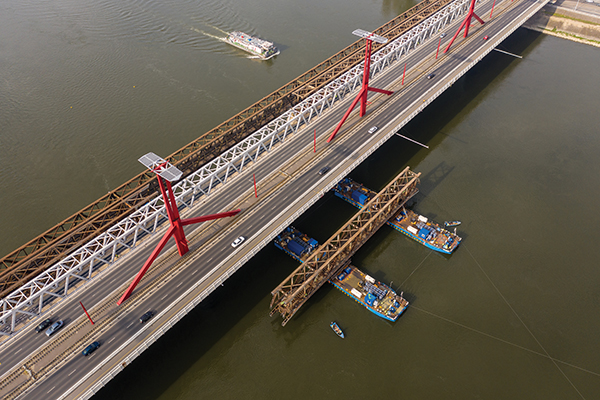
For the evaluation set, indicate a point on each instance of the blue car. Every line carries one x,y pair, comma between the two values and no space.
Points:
91,348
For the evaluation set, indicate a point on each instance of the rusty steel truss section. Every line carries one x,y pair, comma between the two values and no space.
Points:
31,259
297,288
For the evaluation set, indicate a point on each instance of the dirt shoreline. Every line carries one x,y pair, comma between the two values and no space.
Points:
566,23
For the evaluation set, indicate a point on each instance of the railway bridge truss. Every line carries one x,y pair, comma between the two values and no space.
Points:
334,254
45,269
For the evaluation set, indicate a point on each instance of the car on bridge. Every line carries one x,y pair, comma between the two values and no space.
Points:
90,349
443,35
55,326
430,76
238,241
43,325
373,129
324,170
146,316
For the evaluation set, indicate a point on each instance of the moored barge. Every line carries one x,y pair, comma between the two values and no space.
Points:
375,296
413,225
295,243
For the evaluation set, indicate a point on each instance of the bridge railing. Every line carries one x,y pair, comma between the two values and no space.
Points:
82,264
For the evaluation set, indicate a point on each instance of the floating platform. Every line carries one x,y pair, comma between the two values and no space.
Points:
295,243
375,296
413,225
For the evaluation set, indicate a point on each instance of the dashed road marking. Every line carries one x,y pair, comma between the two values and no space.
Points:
72,372
51,389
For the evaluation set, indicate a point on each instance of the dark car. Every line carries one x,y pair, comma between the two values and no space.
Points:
55,326
91,348
430,76
324,170
43,325
146,316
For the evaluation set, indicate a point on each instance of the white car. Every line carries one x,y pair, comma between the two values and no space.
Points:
238,241
373,129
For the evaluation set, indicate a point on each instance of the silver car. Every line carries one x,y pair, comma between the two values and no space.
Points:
55,326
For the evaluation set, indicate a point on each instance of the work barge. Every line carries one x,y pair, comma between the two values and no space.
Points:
334,255
415,226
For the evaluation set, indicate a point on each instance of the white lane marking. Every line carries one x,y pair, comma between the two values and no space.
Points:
194,272
209,260
130,324
72,372
164,297
18,350
180,283
51,389
112,339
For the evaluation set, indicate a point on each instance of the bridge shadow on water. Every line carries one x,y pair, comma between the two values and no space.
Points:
189,340
430,126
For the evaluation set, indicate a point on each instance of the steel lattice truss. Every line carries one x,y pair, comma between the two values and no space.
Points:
37,255
34,257
292,293
29,299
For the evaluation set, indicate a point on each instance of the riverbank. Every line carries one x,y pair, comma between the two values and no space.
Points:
562,19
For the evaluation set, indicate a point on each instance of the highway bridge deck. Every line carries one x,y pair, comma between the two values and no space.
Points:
288,184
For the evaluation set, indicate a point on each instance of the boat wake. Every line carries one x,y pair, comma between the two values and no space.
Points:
222,39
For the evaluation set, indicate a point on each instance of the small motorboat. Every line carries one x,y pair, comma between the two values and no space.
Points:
337,329
450,224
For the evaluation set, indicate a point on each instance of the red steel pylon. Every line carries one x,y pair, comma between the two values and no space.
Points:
364,91
466,23
167,173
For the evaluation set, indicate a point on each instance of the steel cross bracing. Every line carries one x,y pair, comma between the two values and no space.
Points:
39,254
292,293
29,299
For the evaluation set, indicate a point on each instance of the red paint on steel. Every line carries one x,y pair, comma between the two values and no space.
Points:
255,191
466,23
364,91
438,49
493,4
86,313
404,73
175,230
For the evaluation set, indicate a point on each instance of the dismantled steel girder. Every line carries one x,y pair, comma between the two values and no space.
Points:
292,293
36,256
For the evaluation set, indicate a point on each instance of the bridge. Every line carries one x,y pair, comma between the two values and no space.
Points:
93,256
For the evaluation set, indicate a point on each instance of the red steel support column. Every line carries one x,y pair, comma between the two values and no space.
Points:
493,4
255,191
438,49
147,265
364,91
173,213
86,313
175,230
466,23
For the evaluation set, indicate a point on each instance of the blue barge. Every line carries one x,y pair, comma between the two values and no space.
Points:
413,225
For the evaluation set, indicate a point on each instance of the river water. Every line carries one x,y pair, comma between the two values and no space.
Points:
87,87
